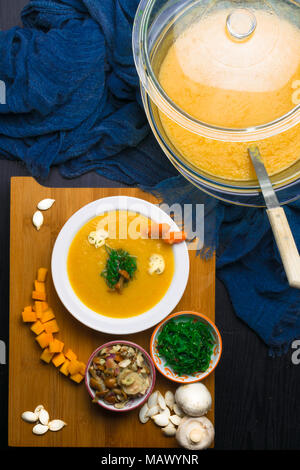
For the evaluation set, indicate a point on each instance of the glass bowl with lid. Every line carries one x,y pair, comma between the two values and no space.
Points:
217,76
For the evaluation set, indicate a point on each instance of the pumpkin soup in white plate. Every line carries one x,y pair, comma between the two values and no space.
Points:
130,288
95,272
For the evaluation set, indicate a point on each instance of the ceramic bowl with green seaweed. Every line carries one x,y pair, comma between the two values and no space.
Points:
186,347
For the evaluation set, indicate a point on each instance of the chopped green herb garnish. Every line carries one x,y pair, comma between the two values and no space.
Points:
187,346
120,268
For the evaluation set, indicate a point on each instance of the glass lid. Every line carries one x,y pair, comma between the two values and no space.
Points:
228,69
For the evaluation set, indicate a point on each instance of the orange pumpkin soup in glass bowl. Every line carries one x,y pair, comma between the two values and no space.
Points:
110,274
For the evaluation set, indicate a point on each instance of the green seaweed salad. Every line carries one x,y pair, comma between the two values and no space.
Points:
187,345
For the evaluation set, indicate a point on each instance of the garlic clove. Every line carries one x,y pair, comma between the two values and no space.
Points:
44,417
38,219
143,414
29,416
170,399
38,409
56,425
40,429
175,419
45,204
169,430
152,400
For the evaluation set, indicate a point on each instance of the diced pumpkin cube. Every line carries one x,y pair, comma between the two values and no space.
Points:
28,308
29,316
74,367
38,306
65,367
37,327
42,274
45,306
76,378
44,339
40,286
47,315
51,326
58,359
71,355
56,346
82,368
46,355
38,295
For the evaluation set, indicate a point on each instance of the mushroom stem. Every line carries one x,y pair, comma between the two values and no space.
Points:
196,435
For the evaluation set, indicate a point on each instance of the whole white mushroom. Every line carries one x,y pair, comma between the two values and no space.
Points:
194,399
195,433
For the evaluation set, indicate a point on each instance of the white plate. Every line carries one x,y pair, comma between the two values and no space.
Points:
117,326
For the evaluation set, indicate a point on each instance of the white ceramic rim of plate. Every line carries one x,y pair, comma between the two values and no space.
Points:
92,319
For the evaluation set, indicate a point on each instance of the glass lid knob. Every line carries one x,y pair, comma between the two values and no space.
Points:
241,24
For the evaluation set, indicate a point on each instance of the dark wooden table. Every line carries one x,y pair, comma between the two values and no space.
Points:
257,404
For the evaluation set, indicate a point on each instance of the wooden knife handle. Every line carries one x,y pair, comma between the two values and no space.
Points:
286,245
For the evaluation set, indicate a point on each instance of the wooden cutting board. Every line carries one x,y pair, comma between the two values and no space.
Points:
32,382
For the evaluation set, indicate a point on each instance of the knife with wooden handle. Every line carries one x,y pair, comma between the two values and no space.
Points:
279,223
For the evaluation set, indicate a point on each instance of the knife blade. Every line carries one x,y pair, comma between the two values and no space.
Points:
263,178
284,238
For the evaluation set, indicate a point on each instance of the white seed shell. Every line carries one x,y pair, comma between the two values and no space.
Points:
177,410
161,420
44,417
56,425
154,410
169,430
143,414
29,416
175,419
152,400
38,409
45,204
161,401
38,219
40,429
170,399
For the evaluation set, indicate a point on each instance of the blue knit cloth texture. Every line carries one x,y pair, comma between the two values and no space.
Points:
73,101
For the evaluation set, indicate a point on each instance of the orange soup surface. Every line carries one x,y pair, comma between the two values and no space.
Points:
86,263
256,87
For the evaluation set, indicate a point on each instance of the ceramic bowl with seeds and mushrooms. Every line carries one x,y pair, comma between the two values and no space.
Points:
120,376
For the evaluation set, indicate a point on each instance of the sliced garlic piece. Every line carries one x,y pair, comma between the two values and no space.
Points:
98,237
29,416
156,264
38,219
40,429
161,420
45,204
170,399
161,401
175,419
56,425
152,400
44,417
143,414
169,430
124,363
